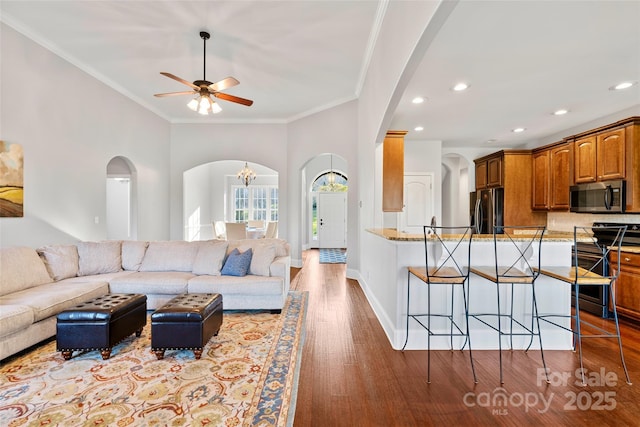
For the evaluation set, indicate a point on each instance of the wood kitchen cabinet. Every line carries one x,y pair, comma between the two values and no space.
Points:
489,171
610,152
552,176
511,170
393,171
600,157
627,285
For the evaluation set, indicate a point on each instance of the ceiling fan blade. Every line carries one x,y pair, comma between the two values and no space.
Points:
223,84
189,92
232,98
178,79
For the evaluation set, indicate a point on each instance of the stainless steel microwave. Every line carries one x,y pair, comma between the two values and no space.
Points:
598,197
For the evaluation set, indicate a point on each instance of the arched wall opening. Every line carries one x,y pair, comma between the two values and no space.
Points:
122,200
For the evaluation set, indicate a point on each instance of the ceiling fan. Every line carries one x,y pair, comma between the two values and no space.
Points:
204,89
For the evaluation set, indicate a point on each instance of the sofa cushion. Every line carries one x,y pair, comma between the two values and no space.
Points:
99,257
61,260
169,256
281,245
245,285
210,257
237,263
14,318
132,254
151,282
263,256
21,268
104,277
50,299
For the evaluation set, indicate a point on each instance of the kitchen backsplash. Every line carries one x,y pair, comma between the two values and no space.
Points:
565,221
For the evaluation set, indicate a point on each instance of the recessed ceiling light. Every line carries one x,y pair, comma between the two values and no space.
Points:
418,100
418,128
560,112
460,87
623,85
491,141
518,130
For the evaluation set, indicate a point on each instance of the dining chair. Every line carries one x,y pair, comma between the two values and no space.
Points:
272,230
255,223
516,262
447,253
236,230
603,273
219,230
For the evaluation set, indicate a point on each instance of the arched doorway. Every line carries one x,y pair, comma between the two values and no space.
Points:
121,200
326,202
212,192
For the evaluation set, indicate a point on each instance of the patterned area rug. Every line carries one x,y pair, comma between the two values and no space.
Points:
247,376
333,256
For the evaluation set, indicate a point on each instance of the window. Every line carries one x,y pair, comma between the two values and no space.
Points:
255,202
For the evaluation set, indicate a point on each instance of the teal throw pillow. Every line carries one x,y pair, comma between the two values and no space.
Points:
237,263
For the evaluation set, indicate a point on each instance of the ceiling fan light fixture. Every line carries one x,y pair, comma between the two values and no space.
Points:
204,105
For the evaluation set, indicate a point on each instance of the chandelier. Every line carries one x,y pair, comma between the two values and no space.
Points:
246,175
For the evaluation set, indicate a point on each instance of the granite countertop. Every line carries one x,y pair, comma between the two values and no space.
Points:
395,235
630,249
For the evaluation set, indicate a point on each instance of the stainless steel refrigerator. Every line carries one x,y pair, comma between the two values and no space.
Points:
487,211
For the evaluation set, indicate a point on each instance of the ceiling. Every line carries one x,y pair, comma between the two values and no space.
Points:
522,59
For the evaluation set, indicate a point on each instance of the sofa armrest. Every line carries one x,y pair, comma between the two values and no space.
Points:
281,267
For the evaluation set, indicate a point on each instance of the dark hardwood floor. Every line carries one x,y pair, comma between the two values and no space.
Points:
351,376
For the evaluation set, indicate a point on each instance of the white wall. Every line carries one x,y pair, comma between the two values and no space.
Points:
68,142
330,131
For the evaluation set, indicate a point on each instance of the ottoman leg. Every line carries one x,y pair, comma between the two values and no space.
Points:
139,332
159,354
67,354
197,352
106,353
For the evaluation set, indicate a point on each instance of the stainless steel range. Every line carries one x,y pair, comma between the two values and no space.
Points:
594,299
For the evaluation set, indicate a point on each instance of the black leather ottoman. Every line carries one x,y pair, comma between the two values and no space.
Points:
100,323
188,321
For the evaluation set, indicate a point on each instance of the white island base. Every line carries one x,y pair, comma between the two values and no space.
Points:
385,285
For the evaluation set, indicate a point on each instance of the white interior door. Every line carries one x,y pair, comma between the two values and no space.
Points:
332,220
418,203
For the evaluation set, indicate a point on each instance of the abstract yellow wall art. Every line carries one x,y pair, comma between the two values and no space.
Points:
11,180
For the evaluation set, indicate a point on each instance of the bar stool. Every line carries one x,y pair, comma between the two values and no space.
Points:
516,263
602,273
445,264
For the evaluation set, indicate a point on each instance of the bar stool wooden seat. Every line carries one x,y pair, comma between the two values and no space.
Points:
517,260
578,276
447,264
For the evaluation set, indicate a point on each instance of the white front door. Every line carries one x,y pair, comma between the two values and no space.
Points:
332,220
418,203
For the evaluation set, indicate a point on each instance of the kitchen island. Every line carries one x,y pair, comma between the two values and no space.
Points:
387,254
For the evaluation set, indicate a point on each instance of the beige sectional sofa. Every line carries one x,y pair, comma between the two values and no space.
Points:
36,285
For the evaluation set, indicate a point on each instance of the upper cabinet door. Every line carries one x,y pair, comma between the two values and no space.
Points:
494,172
585,159
393,171
540,180
560,163
611,155
481,175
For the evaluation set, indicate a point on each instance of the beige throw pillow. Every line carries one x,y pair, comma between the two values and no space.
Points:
175,255
61,260
132,254
99,257
210,258
263,256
